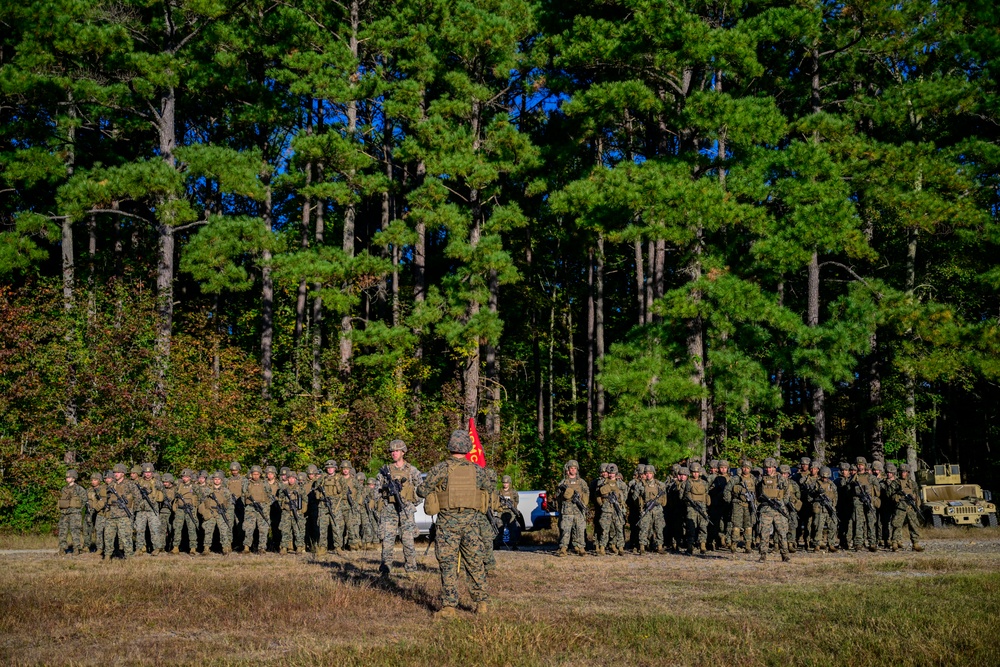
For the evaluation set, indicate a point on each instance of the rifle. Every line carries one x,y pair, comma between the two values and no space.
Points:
701,511
325,498
578,501
776,506
508,504
913,505
613,499
493,521
187,509
350,498
291,505
260,510
824,500
649,506
866,497
392,487
122,503
219,507
153,507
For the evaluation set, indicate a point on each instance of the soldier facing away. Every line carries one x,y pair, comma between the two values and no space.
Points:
459,489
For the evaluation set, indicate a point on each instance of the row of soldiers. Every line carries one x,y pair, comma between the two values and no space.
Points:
268,509
746,509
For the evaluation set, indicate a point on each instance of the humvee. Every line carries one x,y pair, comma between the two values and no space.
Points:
944,498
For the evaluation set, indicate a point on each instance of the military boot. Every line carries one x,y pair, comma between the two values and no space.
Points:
320,551
785,558
640,551
873,548
917,546
894,547
300,550
732,547
175,550
562,552
226,551
747,549
445,613
661,550
792,548
763,558
580,551
600,551
701,549
690,550
834,548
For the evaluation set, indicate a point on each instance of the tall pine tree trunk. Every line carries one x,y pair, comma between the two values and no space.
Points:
267,303
492,370
470,374
599,328
69,276
419,290
165,246
911,396
818,407
303,290
590,342
317,307
346,346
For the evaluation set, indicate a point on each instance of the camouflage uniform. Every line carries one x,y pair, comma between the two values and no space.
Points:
214,511
824,521
370,532
121,495
738,493
572,519
398,520
793,504
257,498
186,503
845,507
236,510
651,523
865,517
148,512
95,499
905,516
332,493
774,488
487,525
611,496
461,487
804,515
719,509
696,501
167,508
72,500
674,514
509,513
293,508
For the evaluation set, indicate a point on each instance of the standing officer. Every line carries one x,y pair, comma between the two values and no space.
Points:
397,484
121,500
72,500
574,494
456,490
772,494
236,510
651,498
904,491
257,498
865,489
696,501
214,509
824,512
148,512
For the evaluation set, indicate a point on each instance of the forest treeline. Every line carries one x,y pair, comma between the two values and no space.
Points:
636,230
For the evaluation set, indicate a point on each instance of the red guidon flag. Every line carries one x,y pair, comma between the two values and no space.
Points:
477,455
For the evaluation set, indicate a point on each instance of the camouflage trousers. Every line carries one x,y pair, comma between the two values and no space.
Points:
354,527
793,526
293,533
369,529
604,527
772,523
71,531
697,528
233,527
254,522
459,536
399,523
904,518
486,534
651,522
166,525
225,534
121,528
676,520
823,524
152,521
335,520
741,524
99,522
865,530
804,525
183,523
718,533
572,528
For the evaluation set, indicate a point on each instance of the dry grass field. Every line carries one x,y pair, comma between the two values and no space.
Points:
933,608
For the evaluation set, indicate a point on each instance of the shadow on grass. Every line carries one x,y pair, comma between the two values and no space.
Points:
350,573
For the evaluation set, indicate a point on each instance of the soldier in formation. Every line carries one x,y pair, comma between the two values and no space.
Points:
397,485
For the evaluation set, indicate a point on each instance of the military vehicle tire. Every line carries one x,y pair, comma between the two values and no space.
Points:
936,520
991,520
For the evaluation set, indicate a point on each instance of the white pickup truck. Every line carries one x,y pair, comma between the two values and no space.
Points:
532,506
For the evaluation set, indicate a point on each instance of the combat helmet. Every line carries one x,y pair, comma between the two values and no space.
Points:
459,442
397,445
72,474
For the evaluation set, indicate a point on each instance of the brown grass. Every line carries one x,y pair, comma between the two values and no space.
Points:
265,610
28,541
